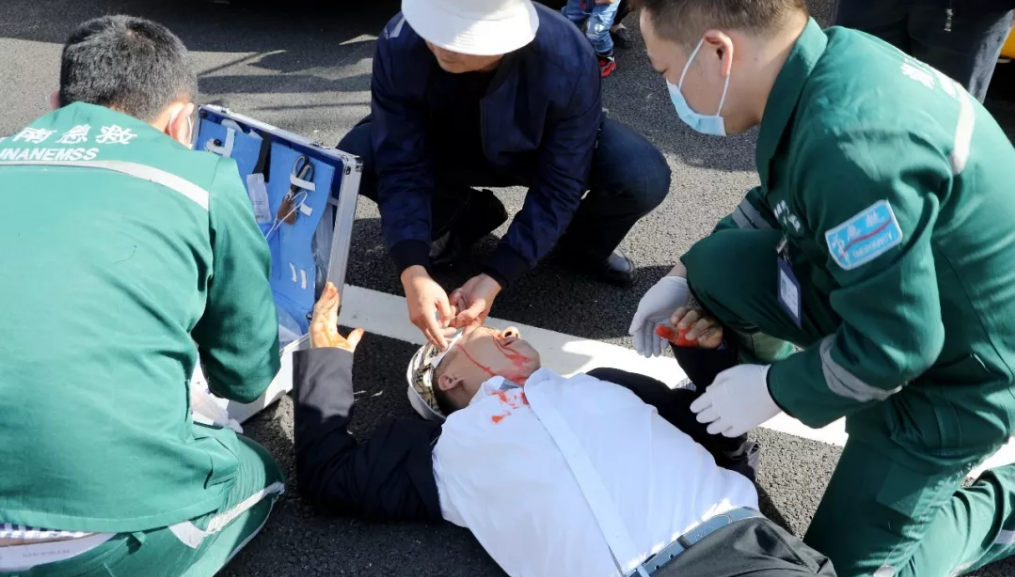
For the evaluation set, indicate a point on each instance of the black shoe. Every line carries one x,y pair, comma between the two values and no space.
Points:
615,269
483,214
745,460
621,38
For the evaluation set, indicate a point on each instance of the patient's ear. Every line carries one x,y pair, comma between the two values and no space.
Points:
447,381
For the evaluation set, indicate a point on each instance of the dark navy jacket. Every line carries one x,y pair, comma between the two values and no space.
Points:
540,117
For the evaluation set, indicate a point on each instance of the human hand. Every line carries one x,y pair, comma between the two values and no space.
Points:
606,1
674,336
697,328
655,309
426,300
737,401
474,300
324,324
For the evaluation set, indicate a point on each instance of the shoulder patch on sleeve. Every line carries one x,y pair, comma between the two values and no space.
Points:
864,237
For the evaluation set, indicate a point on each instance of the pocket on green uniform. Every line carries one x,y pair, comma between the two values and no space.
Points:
971,404
759,348
220,447
966,370
917,494
88,564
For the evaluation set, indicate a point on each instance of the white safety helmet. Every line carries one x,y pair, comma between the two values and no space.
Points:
420,378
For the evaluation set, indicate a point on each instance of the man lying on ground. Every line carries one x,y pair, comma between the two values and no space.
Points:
496,467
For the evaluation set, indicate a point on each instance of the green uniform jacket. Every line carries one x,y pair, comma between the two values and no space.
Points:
896,192
122,248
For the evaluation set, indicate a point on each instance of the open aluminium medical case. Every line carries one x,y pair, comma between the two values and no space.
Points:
306,253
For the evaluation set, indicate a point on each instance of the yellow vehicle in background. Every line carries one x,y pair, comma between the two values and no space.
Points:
1008,50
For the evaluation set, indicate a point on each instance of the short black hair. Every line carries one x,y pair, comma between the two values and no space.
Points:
440,395
129,64
685,21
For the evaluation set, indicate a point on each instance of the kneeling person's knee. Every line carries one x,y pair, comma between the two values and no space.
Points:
657,177
358,141
628,161
707,264
725,264
650,176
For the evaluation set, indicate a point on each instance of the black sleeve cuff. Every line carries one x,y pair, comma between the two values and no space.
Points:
410,253
322,382
506,265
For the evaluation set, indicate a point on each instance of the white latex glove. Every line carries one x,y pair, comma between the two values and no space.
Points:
737,401
655,308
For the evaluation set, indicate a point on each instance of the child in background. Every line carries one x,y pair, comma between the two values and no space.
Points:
596,18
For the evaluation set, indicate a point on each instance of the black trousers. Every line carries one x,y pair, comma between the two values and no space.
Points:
749,548
623,11
965,46
629,179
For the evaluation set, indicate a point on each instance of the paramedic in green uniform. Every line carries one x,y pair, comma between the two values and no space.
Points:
122,249
881,243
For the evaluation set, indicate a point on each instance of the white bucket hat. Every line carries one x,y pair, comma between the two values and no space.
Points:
475,27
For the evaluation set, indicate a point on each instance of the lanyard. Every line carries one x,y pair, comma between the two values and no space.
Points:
622,547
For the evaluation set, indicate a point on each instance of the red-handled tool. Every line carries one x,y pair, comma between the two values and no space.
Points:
675,336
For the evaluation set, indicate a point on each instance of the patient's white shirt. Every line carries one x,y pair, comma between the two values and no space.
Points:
501,475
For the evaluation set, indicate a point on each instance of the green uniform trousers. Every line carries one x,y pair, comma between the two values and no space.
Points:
161,553
883,512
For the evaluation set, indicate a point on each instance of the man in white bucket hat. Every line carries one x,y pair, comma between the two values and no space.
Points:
494,93
555,476
473,27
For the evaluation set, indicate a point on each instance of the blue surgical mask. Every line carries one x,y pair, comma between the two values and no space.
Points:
704,123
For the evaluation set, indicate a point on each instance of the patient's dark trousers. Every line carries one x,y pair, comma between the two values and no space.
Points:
750,548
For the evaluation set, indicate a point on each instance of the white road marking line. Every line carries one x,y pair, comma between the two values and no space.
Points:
386,315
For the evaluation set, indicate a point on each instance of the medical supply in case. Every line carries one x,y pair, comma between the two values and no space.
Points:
303,196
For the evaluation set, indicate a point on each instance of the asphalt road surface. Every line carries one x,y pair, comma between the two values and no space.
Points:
305,67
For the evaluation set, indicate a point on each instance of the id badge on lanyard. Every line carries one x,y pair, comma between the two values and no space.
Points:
789,286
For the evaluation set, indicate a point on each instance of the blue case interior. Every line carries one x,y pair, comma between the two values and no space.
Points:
294,268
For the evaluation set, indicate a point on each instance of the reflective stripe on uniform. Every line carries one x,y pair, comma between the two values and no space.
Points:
18,532
144,172
963,132
22,558
746,216
961,569
1005,538
191,535
846,384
